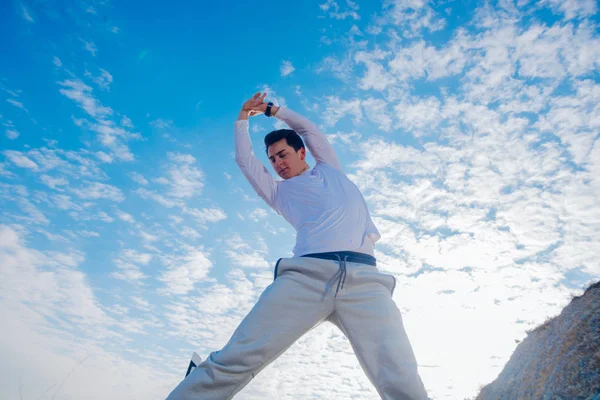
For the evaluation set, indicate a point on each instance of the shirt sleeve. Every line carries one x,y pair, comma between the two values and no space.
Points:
315,140
255,172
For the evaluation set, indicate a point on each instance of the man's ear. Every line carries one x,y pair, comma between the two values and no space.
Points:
302,153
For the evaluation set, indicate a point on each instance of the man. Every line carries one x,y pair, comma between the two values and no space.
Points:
331,277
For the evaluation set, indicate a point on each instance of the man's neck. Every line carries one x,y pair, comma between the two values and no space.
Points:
303,169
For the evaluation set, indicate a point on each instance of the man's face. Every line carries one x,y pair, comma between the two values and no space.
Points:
284,160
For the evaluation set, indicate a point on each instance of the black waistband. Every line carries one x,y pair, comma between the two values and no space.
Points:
351,256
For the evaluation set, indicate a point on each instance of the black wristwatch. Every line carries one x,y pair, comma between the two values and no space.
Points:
268,110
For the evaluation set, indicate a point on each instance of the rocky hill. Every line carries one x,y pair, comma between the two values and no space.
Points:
559,360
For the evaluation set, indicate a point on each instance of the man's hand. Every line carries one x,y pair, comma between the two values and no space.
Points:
256,106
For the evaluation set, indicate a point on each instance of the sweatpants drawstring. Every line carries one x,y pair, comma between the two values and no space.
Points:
342,274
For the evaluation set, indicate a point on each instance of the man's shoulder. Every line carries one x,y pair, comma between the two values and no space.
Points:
326,167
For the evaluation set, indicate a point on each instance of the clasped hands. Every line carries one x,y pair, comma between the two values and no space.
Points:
256,105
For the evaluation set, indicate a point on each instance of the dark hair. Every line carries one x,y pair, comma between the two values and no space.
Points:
290,136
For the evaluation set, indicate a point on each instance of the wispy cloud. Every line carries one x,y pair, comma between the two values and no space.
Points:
38,288
333,10
138,178
126,122
123,216
97,190
90,47
183,178
128,265
286,68
16,103
12,134
109,134
20,160
54,182
25,13
574,8
258,214
411,17
184,271
103,80
82,94
337,108
242,254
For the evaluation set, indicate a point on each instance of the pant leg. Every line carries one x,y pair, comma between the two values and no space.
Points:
366,313
291,306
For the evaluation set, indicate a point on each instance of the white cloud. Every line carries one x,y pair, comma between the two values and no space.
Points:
19,159
104,157
346,138
20,196
109,134
574,8
97,190
138,178
53,308
376,111
103,80
56,61
206,214
16,103
342,69
182,158
286,68
376,77
128,265
53,182
188,232
162,124
273,96
123,216
164,200
90,46
332,8
258,214
184,271
183,179
4,172
126,122
421,60
411,16
337,108
420,117
242,254
25,13
12,134
141,304
148,237
82,94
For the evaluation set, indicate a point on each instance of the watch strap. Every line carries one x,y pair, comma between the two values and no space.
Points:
268,110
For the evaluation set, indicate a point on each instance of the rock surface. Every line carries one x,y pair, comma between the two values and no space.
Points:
559,360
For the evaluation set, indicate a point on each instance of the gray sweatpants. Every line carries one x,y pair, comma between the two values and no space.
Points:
356,297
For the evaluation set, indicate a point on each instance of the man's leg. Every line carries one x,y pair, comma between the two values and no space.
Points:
371,321
291,306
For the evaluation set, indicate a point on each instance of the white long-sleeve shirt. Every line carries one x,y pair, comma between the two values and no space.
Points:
327,210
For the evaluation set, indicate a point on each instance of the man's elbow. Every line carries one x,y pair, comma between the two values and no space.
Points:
240,160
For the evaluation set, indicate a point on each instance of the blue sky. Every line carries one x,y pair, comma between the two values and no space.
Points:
129,238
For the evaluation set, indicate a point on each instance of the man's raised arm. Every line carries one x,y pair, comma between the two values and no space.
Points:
255,172
317,143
